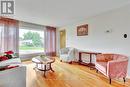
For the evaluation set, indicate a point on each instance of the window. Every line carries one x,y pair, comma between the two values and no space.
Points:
31,41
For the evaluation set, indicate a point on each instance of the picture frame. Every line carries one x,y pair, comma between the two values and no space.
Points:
82,30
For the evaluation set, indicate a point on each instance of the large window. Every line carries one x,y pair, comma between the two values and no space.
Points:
31,41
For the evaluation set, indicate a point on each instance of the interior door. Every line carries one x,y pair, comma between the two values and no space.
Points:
62,39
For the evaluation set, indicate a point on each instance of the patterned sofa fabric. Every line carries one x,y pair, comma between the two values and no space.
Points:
67,54
112,65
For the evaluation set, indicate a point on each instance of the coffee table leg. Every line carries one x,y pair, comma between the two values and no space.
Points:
35,66
51,68
45,71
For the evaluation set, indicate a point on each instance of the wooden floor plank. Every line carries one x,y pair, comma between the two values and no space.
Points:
69,75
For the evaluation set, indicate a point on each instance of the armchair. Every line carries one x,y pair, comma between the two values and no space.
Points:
67,54
112,65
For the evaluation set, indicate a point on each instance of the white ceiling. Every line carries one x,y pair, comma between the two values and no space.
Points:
62,12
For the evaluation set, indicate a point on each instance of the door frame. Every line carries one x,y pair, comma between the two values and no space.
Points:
64,31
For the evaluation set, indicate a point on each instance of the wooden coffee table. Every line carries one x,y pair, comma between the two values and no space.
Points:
43,64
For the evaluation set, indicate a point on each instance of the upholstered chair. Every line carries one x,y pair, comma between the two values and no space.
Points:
67,54
112,65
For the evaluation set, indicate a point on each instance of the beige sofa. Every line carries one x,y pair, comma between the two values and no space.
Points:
15,77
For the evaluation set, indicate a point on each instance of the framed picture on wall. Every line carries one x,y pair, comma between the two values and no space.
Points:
82,30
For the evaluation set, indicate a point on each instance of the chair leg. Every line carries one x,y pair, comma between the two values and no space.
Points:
45,71
96,71
70,62
109,80
124,79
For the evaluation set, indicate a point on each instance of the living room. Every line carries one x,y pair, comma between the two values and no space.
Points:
74,36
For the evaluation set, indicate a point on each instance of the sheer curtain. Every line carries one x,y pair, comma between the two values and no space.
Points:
50,41
9,35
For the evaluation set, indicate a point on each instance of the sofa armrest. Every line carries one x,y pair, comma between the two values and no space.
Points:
117,68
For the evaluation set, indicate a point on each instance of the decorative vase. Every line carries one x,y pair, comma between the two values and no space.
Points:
42,56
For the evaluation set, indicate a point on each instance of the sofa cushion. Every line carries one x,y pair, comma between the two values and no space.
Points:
104,58
108,57
102,66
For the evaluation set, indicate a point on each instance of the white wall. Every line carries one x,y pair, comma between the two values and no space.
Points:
98,40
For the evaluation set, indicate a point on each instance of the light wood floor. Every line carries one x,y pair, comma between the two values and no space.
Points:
69,75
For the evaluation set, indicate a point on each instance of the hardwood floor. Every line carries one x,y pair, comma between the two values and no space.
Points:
69,75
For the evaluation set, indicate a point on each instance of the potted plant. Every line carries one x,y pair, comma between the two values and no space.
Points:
9,54
2,58
42,56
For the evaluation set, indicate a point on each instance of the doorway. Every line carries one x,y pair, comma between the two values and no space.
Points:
62,39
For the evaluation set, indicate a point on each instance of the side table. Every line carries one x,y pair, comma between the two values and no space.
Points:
90,64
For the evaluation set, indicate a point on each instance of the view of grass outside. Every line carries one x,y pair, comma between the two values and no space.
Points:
31,41
30,48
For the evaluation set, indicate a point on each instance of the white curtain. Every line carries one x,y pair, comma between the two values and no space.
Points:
9,35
